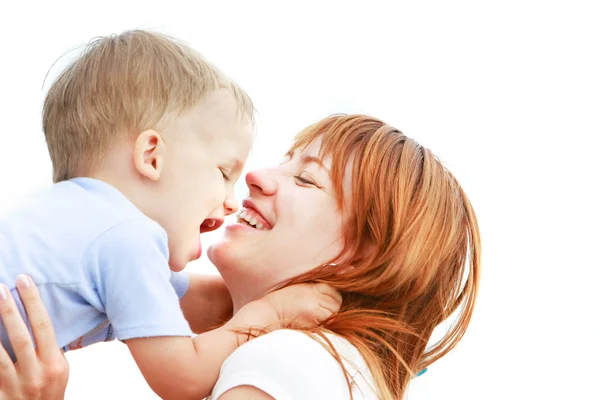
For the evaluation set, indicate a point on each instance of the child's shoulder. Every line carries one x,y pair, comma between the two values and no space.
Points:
100,205
73,215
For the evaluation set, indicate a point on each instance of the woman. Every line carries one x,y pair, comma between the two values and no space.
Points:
361,207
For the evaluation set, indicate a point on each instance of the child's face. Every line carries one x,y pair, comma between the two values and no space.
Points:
204,153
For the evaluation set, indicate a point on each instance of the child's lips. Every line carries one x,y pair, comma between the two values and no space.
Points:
208,225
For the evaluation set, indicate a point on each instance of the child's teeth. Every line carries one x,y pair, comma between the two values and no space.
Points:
243,214
259,226
253,221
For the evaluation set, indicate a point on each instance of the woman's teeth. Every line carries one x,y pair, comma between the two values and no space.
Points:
250,218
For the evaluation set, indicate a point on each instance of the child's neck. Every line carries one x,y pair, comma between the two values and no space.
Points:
125,181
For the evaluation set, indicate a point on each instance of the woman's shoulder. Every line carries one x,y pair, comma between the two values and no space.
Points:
297,364
363,384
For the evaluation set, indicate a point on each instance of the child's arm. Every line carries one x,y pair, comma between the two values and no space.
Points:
206,303
128,268
181,368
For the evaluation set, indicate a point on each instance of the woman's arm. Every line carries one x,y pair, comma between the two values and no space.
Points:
41,373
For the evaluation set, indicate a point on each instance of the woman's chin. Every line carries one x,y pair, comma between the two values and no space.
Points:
212,251
223,251
241,234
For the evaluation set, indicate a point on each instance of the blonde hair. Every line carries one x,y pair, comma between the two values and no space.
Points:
412,243
122,85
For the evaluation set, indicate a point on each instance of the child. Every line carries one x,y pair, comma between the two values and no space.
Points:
146,141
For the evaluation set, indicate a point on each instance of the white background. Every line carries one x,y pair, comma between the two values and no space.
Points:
506,93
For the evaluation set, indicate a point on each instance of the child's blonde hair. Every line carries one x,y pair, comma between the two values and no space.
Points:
122,85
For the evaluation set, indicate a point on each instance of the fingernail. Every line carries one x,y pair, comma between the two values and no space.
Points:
23,281
3,293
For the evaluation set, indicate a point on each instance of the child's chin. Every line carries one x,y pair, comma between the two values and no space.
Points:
177,264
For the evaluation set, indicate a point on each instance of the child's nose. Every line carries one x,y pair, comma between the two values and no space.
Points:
231,205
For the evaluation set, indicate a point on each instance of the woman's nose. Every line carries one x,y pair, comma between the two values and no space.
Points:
261,181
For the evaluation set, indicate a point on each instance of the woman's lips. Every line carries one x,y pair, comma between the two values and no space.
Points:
254,219
249,205
241,227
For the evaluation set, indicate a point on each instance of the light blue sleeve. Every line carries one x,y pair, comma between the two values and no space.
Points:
180,282
128,265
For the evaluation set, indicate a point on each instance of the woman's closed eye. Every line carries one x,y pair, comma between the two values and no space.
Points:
305,179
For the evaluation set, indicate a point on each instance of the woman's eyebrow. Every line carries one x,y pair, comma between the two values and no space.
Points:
311,159
308,159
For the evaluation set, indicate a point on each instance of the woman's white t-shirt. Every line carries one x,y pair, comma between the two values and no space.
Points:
290,365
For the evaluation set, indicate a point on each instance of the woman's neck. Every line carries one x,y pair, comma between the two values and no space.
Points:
243,288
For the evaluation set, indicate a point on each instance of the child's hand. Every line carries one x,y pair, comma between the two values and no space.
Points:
304,305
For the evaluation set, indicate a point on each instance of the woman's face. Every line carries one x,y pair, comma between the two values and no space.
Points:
289,224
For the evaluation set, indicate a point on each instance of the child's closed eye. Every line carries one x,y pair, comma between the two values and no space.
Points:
226,174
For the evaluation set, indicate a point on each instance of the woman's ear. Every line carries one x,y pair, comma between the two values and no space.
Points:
148,154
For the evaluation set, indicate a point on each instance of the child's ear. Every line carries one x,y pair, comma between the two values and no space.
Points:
148,154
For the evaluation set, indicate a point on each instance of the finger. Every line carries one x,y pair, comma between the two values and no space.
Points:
322,314
39,319
329,290
9,385
9,381
18,334
7,368
329,304
8,377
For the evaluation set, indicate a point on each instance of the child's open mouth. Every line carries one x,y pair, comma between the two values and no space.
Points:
210,224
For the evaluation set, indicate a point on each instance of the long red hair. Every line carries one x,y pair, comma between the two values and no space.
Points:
411,255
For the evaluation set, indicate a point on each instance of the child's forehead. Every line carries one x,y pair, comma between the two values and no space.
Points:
221,116
216,128
234,144
224,103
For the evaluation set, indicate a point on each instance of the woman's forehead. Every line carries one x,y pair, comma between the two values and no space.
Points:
311,149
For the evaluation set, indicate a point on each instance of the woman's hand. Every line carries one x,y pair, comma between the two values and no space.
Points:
39,373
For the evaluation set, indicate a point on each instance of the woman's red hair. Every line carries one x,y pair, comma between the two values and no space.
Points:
411,255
